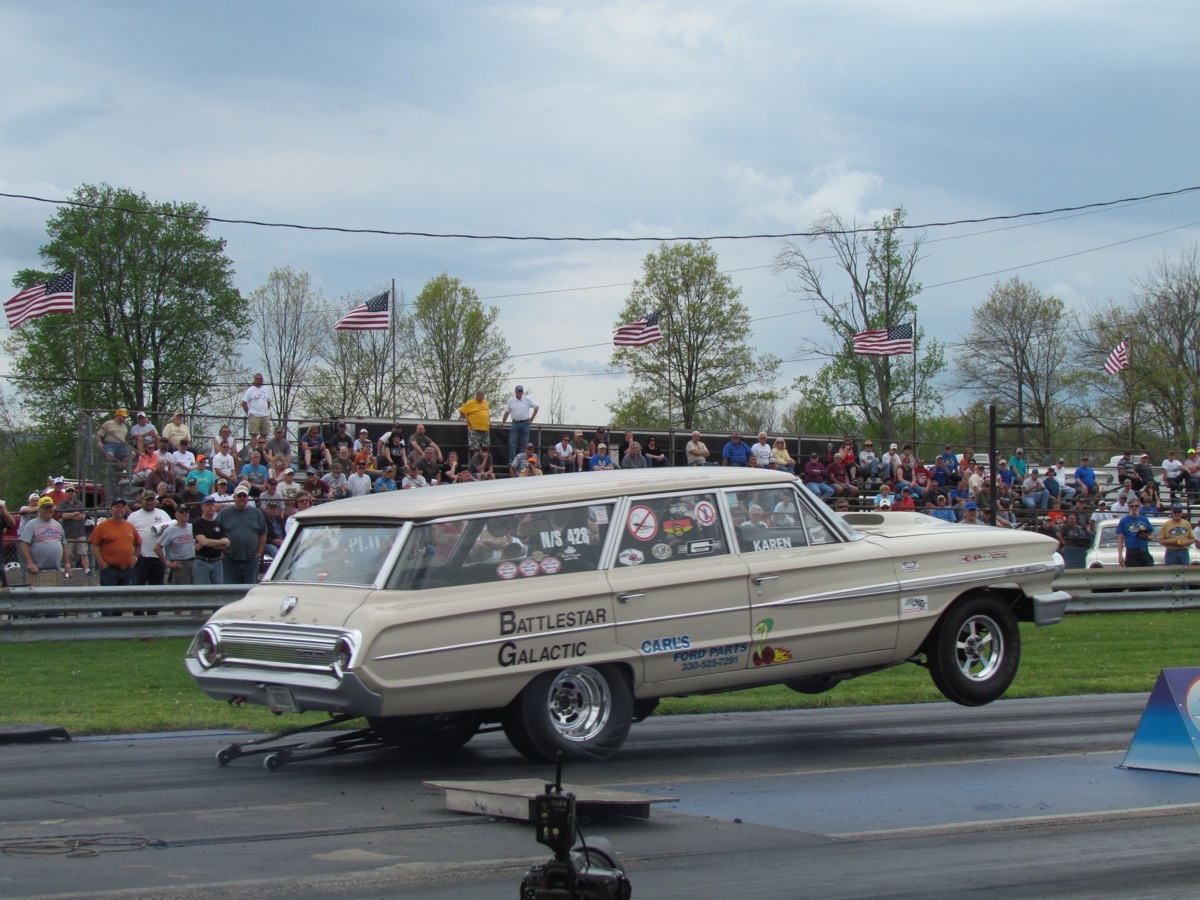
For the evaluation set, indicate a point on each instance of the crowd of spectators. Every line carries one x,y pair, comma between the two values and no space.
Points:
208,509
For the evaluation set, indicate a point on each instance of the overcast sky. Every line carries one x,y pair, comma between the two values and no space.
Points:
616,119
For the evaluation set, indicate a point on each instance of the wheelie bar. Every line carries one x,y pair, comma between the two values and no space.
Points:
276,755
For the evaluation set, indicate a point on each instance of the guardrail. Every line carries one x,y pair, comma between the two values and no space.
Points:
1113,589
72,614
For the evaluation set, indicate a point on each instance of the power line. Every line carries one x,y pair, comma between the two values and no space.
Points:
596,240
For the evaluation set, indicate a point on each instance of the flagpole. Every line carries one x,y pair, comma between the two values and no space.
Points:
82,495
392,317
914,421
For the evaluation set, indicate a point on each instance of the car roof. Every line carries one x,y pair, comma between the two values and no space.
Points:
509,493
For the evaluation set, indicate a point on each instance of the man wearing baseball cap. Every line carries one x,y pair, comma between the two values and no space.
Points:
211,544
1176,535
523,411
113,437
150,521
115,544
176,547
246,528
43,547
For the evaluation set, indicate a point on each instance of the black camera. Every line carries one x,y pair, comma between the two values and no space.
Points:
580,870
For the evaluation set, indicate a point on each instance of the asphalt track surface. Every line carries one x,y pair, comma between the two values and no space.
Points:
1022,798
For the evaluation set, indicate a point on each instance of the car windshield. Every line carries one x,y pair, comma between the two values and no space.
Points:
341,554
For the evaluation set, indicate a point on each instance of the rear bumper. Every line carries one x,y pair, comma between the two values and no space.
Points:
1048,609
311,691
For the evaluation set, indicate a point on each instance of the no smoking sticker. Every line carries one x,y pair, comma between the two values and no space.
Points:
706,513
643,523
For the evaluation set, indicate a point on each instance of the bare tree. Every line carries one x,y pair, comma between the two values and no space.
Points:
287,321
1018,352
881,293
558,410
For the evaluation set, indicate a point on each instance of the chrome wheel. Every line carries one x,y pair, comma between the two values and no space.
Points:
979,648
579,703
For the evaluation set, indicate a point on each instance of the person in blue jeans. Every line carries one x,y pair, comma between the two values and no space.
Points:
1133,538
246,528
1177,536
523,411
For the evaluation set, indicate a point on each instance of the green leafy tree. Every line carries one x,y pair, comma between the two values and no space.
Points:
355,378
449,348
881,293
704,372
816,413
155,306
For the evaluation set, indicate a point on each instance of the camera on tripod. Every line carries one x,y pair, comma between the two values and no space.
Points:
580,870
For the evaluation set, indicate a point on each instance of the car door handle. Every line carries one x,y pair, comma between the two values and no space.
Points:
762,579
625,598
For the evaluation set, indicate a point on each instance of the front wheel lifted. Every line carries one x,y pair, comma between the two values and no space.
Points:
582,712
974,651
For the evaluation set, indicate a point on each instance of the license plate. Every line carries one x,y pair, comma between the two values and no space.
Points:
280,699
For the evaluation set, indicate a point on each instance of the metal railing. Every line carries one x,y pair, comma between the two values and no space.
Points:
72,614
1112,589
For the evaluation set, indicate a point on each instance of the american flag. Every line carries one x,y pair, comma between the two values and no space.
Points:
1118,359
56,295
369,316
892,341
640,333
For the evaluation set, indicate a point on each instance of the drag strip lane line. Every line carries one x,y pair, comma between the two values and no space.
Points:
1051,821
792,773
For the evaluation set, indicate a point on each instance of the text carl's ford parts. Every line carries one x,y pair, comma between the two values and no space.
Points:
563,608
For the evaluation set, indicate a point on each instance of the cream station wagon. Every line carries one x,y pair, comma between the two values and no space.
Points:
563,608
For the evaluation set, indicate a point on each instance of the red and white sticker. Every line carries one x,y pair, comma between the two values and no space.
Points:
529,567
631,557
643,523
506,570
550,565
706,513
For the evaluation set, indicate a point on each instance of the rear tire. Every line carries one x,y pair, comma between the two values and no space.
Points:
582,712
974,651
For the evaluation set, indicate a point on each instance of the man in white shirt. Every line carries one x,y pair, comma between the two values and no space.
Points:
360,484
289,489
523,411
761,451
183,461
257,404
868,462
223,463
697,451
150,522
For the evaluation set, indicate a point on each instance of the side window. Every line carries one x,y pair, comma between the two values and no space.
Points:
666,529
574,536
504,547
768,519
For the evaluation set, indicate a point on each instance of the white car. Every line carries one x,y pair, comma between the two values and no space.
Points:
1103,551
563,608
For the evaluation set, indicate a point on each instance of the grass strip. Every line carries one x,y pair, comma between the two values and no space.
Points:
133,686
